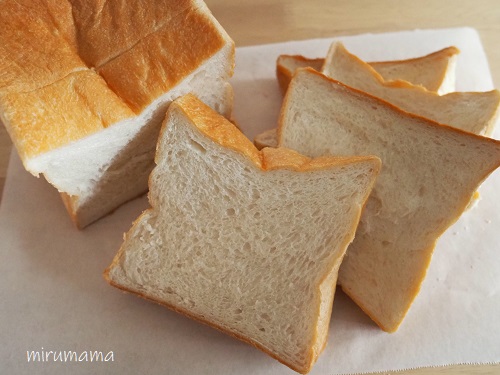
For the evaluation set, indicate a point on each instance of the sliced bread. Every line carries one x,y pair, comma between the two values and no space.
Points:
475,112
435,71
248,242
84,107
437,68
429,174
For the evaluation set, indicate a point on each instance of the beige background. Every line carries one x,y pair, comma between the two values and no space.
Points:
251,22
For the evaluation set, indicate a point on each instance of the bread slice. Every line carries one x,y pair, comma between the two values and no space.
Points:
429,174
248,242
475,112
84,107
435,71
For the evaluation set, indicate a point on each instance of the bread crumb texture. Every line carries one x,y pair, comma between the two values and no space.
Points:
429,174
249,242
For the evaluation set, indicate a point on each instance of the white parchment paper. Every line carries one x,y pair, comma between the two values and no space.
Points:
53,296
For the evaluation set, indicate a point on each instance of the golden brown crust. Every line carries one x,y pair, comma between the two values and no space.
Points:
492,98
71,108
53,93
98,37
26,63
216,127
284,77
161,69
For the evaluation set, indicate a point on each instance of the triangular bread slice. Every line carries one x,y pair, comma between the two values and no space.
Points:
475,112
435,71
84,107
429,174
248,242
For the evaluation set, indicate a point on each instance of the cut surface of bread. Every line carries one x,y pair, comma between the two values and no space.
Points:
248,242
435,71
84,107
429,174
475,112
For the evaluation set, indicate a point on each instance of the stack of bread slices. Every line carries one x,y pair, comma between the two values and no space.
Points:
369,165
433,150
363,175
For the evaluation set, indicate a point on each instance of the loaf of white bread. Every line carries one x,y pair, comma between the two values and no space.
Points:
84,85
429,174
246,241
435,71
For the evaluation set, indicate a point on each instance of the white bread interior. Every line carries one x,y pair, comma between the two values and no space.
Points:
248,242
435,72
429,174
85,109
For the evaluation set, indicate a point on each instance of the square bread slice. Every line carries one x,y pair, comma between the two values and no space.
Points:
248,242
435,71
84,86
429,174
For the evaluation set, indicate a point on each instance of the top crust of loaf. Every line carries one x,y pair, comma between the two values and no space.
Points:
129,52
